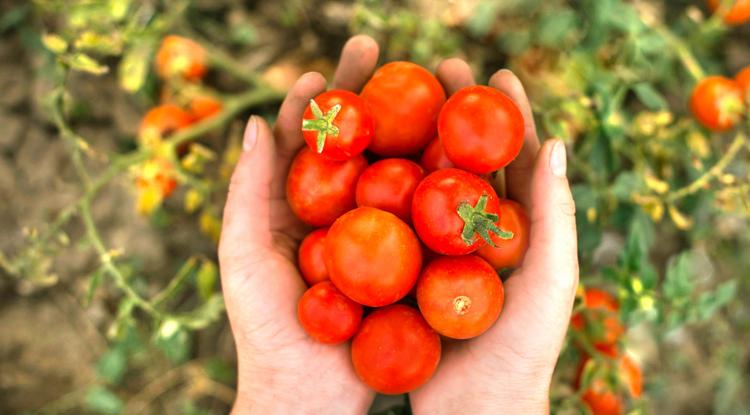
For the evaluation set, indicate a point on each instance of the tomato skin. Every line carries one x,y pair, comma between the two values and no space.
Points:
738,14
311,257
461,296
743,79
601,308
320,190
162,120
180,56
434,158
405,100
717,103
395,350
389,185
354,121
372,256
508,253
481,129
604,399
327,315
204,106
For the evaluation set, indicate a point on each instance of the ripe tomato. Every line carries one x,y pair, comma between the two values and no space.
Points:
481,129
179,56
604,398
717,103
338,124
157,174
372,256
454,212
327,315
434,158
599,320
738,14
395,350
320,190
405,100
311,259
163,120
743,78
204,106
508,253
389,185
460,297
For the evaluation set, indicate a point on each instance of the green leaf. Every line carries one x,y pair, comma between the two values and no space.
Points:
96,279
85,63
649,96
710,302
556,26
206,279
173,340
111,366
133,67
678,281
54,43
102,401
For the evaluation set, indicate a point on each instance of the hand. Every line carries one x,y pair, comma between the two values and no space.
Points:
281,369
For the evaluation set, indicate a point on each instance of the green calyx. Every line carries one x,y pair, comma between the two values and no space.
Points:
478,221
322,123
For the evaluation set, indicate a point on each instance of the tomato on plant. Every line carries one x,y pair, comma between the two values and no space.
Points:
481,129
204,106
372,256
508,253
311,258
405,100
717,103
161,121
743,79
738,13
599,320
327,315
319,190
180,56
395,350
602,395
434,158
389,185
338,124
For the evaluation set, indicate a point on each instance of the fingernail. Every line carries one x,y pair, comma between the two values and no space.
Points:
251,134
505,70
558,162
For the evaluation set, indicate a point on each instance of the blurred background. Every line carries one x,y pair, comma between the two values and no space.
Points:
113,175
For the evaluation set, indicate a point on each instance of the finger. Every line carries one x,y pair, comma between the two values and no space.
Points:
288,128
358,59
454,74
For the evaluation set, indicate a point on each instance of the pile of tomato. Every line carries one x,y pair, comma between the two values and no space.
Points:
410,233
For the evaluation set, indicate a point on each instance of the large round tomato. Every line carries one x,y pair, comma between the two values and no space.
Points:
434,158
454,212
179,56
743,78
405,100
395,350
481,129
327,315
389,185
508,253
737,14
460,297
372,256
311,259
599,320
601,395
319,190
717,103
338,124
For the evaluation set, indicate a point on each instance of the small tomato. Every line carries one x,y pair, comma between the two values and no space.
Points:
338,124
508,253
180,56
327,315
311,258
717,103
389,185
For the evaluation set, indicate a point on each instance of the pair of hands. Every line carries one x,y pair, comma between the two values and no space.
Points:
281,370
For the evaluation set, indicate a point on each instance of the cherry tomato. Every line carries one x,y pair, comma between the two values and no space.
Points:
157,174
395,350
338,124
743,78
454,212
320,190
389,185
717,103
405,100
179,56
738,14
481,129
460,297
327,315
508,253
204,106
372,256
604,398
163,120
599,320
311,259
434,158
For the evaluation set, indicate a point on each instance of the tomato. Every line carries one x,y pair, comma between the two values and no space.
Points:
338,124
163,120
179,56
320,190
311,257
604,398
738,14
327,315
743,79
717,103
389,185
454,212
508,253
434,158
405,100
372,256
481,129
204,106
395,350
159,175
460,297
599,320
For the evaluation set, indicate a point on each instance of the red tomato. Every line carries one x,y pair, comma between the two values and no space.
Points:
179,56
311,259
372,256
454,212
389,185
338,124
604,398
599,320
320,190
434,158
738,14
717,103
395,350
405,100
163,120
481,129
743,78
508,253
327,315
204,106
460,297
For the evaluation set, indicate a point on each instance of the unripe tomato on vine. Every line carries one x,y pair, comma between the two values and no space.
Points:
737,14
180,56
717,103
161,121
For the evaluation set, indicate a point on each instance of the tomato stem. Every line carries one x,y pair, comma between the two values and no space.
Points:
322,123
478,220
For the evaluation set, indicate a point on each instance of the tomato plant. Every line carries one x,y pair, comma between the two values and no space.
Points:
738,12
599,320
434,158
508,253
609,383
717,103
311,259
163,120
180,56
389,185
327,315
338,124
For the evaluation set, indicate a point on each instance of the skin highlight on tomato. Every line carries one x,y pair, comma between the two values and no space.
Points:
460,297
311,257
737,14
481,129
395,350
743,79
599,320
179,56
405,100
161,121
508,253
327,315
434,158
319,190
338,124
604,398
454,212
389,185
717,103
